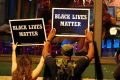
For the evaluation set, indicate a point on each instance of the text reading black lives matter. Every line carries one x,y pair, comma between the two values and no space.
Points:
30,29
68,17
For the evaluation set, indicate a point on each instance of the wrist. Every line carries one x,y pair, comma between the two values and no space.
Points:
48,41
90,42
45,56
13,49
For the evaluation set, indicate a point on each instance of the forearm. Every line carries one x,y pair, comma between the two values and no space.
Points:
41,64
14,62
13,56
39,68
91,50
46,48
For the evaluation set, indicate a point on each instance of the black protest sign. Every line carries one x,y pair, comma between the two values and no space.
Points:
28,31
70,21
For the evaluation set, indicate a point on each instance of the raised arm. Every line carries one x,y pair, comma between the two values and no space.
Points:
48,42
45,53
89,40
14,60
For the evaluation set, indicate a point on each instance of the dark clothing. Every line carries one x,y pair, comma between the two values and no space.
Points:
82,64
116,73
72,70
50,68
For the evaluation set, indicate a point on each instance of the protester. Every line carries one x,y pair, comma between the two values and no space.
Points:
52,71
22,70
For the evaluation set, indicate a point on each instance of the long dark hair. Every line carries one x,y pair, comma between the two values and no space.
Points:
117,59
24,69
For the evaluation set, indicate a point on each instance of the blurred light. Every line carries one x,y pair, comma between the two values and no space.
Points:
116,43
109,43
30,0
113,31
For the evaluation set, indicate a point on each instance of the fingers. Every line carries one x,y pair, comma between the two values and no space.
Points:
16,43
86,31
14,46
51,34
89,35
54,30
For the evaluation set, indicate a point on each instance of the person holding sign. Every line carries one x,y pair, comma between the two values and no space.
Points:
23,69
51,69
83,62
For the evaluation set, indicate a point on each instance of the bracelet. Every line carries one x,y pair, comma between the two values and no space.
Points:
48,41
47,56
90,41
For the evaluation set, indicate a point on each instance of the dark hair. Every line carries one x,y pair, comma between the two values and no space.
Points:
68,52
117,56
105,6
24,69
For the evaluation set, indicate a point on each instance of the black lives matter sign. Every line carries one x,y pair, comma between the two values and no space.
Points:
70,21
28,31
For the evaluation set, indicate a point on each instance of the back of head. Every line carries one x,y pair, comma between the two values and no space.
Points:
25,60
67,47
67,50
24,68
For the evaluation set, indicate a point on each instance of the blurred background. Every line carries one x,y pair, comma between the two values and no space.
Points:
108,12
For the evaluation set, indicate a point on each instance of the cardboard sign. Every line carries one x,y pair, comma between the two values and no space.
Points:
70,21
28,31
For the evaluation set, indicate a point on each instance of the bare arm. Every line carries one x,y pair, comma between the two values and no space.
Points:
91,51
14,60
45,53
48,42
38,69
89,40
